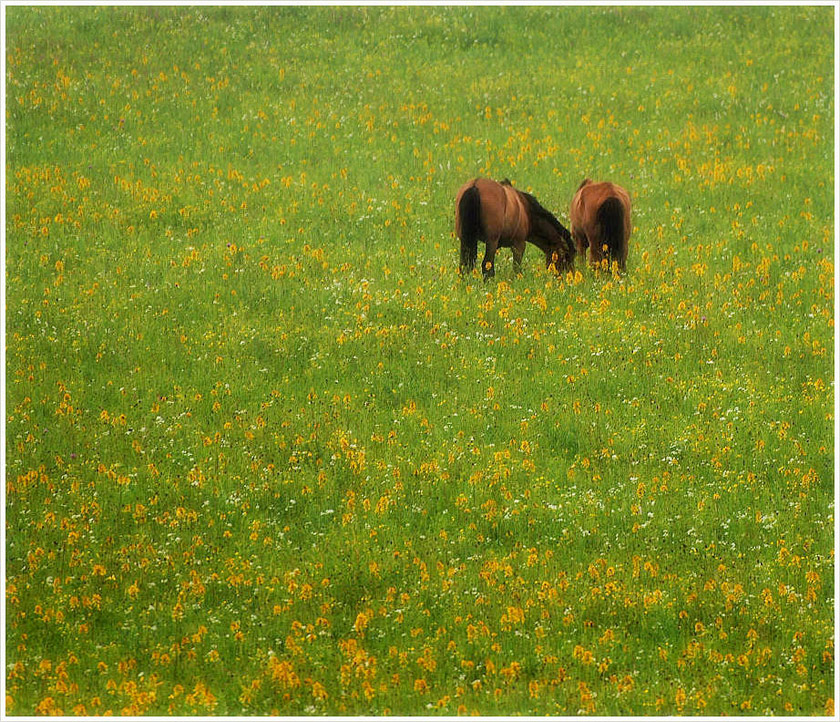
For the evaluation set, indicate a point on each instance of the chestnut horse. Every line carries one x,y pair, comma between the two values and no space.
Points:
503,217
600,218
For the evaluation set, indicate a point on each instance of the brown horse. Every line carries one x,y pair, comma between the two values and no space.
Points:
503,217
600,218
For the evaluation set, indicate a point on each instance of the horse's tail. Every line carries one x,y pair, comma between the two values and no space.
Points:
610,219
469,211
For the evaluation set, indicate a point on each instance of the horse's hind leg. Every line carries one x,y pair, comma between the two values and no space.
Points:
487,265
518,252
581,242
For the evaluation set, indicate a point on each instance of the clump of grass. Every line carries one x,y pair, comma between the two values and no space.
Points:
268,453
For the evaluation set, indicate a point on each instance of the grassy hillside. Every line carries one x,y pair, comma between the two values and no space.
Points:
268,453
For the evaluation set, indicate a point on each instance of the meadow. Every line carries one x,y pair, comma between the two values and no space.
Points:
268,452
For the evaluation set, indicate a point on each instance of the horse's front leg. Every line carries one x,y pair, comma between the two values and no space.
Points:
581,242
518,252
487,265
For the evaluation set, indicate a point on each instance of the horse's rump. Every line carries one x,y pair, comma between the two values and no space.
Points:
600,216
485,209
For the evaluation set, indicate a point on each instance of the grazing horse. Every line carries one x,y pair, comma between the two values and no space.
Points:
600,218
504,217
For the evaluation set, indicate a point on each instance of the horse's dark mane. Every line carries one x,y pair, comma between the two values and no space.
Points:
539,211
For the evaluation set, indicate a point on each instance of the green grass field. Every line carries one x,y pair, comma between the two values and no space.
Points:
268,453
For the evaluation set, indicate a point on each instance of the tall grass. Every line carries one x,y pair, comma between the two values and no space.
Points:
268,453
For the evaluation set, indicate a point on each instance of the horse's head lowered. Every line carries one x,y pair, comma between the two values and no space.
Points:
551,236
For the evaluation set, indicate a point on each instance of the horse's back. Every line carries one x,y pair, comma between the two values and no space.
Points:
600,218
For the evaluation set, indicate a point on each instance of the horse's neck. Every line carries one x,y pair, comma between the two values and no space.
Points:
544,237
542,242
